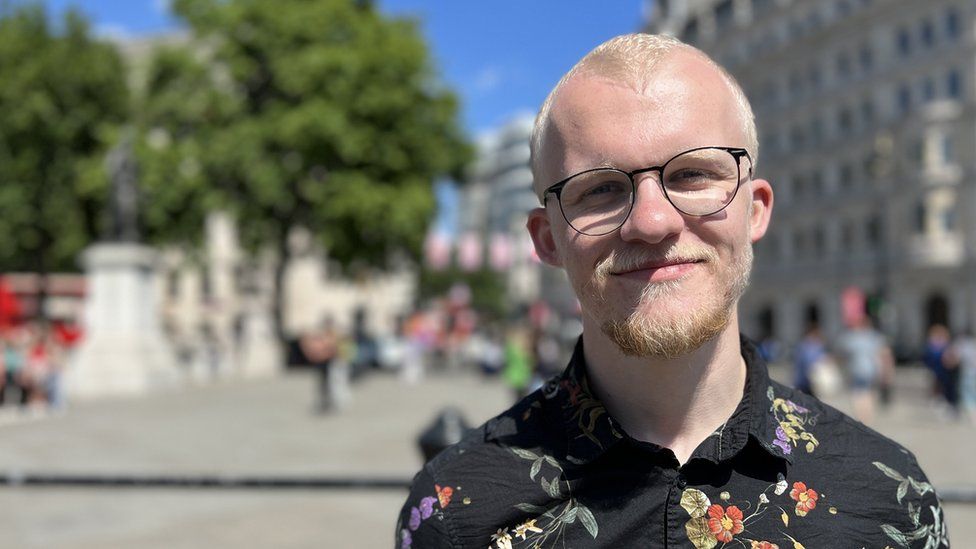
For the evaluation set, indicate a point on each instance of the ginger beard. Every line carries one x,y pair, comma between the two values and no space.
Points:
659,324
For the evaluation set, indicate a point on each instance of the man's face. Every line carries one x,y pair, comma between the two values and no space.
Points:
664,283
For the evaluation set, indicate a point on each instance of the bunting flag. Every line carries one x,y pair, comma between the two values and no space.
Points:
500,254
469,252
437,251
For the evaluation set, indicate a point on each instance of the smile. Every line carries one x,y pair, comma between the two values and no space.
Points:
660,271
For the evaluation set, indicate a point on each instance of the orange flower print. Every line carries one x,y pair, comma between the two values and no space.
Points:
806,499
763,545
444,495
724,523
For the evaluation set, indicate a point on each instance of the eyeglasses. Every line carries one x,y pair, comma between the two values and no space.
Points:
698,182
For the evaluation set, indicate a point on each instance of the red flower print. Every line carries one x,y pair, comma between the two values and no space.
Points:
806,499
724,523
763,545
444,495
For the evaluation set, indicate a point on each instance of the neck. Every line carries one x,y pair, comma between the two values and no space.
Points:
674,403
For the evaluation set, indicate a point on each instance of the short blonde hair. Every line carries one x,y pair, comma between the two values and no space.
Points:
630,59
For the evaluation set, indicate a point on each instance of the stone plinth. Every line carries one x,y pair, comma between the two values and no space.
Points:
124,351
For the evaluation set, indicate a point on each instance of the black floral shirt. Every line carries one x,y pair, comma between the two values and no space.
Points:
785,471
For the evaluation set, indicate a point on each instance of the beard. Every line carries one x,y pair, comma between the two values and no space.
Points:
658,326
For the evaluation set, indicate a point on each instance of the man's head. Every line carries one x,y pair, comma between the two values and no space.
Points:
664,282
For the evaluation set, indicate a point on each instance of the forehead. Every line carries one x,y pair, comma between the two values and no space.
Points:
595,121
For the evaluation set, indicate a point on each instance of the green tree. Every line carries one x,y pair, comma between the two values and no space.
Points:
61,94
323,114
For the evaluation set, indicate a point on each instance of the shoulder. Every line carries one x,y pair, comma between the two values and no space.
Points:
474,487
870,484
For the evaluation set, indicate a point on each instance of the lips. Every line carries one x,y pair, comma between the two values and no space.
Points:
656,265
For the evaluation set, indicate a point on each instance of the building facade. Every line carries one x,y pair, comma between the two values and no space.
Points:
493,209
866,115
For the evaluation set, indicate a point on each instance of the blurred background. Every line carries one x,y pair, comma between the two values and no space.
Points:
261,258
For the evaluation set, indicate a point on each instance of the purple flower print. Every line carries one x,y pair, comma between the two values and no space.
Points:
796,407
427,507
782,442
414,518
407,539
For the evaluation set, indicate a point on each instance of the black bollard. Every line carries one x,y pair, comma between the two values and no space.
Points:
447,429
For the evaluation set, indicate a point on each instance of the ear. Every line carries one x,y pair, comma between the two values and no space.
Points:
540,229
761,208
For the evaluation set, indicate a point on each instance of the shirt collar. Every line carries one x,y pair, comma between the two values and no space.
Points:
591,431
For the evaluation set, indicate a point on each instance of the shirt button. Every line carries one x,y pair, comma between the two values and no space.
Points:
681,481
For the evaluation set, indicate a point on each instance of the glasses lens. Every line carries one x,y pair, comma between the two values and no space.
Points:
701,182
597,202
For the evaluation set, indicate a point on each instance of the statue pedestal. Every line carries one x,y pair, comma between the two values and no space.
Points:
260,354
124,351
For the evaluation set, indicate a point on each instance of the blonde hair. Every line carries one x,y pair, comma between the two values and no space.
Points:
630,59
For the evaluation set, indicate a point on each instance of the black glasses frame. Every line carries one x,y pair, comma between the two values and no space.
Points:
736,152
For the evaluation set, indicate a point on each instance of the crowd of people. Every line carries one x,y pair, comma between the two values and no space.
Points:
862,358
32,359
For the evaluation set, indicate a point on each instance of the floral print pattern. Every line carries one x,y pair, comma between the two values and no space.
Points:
934,533
805,498
555,523
792,422
423,511
713,523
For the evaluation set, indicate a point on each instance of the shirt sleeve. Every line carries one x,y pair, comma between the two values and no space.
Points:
926,527
422,523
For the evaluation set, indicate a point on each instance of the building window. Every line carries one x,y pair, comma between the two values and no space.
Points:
904,40
928,90
691,31
846,175
945,149
816,183
799,186
846,237
954,84
798,138
845,121
904,99
948,219
952,23
927,34
866,57
813,75
723,14
867,111
919,217
816,130
874,231
843,66
843,8
819,242
799,243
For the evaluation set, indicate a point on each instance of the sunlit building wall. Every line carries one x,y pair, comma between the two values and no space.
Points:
867,120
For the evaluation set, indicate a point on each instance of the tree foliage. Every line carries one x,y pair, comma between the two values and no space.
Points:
61,94
324,114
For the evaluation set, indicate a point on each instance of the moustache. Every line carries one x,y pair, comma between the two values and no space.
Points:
628,259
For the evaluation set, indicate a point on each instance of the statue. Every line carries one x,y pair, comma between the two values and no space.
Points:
123,222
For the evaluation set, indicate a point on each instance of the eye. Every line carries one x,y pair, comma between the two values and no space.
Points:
606,187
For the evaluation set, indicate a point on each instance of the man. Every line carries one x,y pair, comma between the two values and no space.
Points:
665,429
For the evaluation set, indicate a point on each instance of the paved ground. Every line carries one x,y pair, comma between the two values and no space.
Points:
268,428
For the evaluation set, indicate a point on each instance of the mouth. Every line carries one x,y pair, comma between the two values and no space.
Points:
658,271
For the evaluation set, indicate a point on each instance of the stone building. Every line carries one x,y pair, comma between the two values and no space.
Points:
867,121
494,204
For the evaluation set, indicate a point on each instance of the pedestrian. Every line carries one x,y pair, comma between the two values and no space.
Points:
810,353
960,360
936,344
865,355
665,428
320,348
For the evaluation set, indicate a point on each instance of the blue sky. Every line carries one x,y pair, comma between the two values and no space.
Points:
501,56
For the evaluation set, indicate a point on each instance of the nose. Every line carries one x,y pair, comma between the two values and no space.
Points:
653,219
